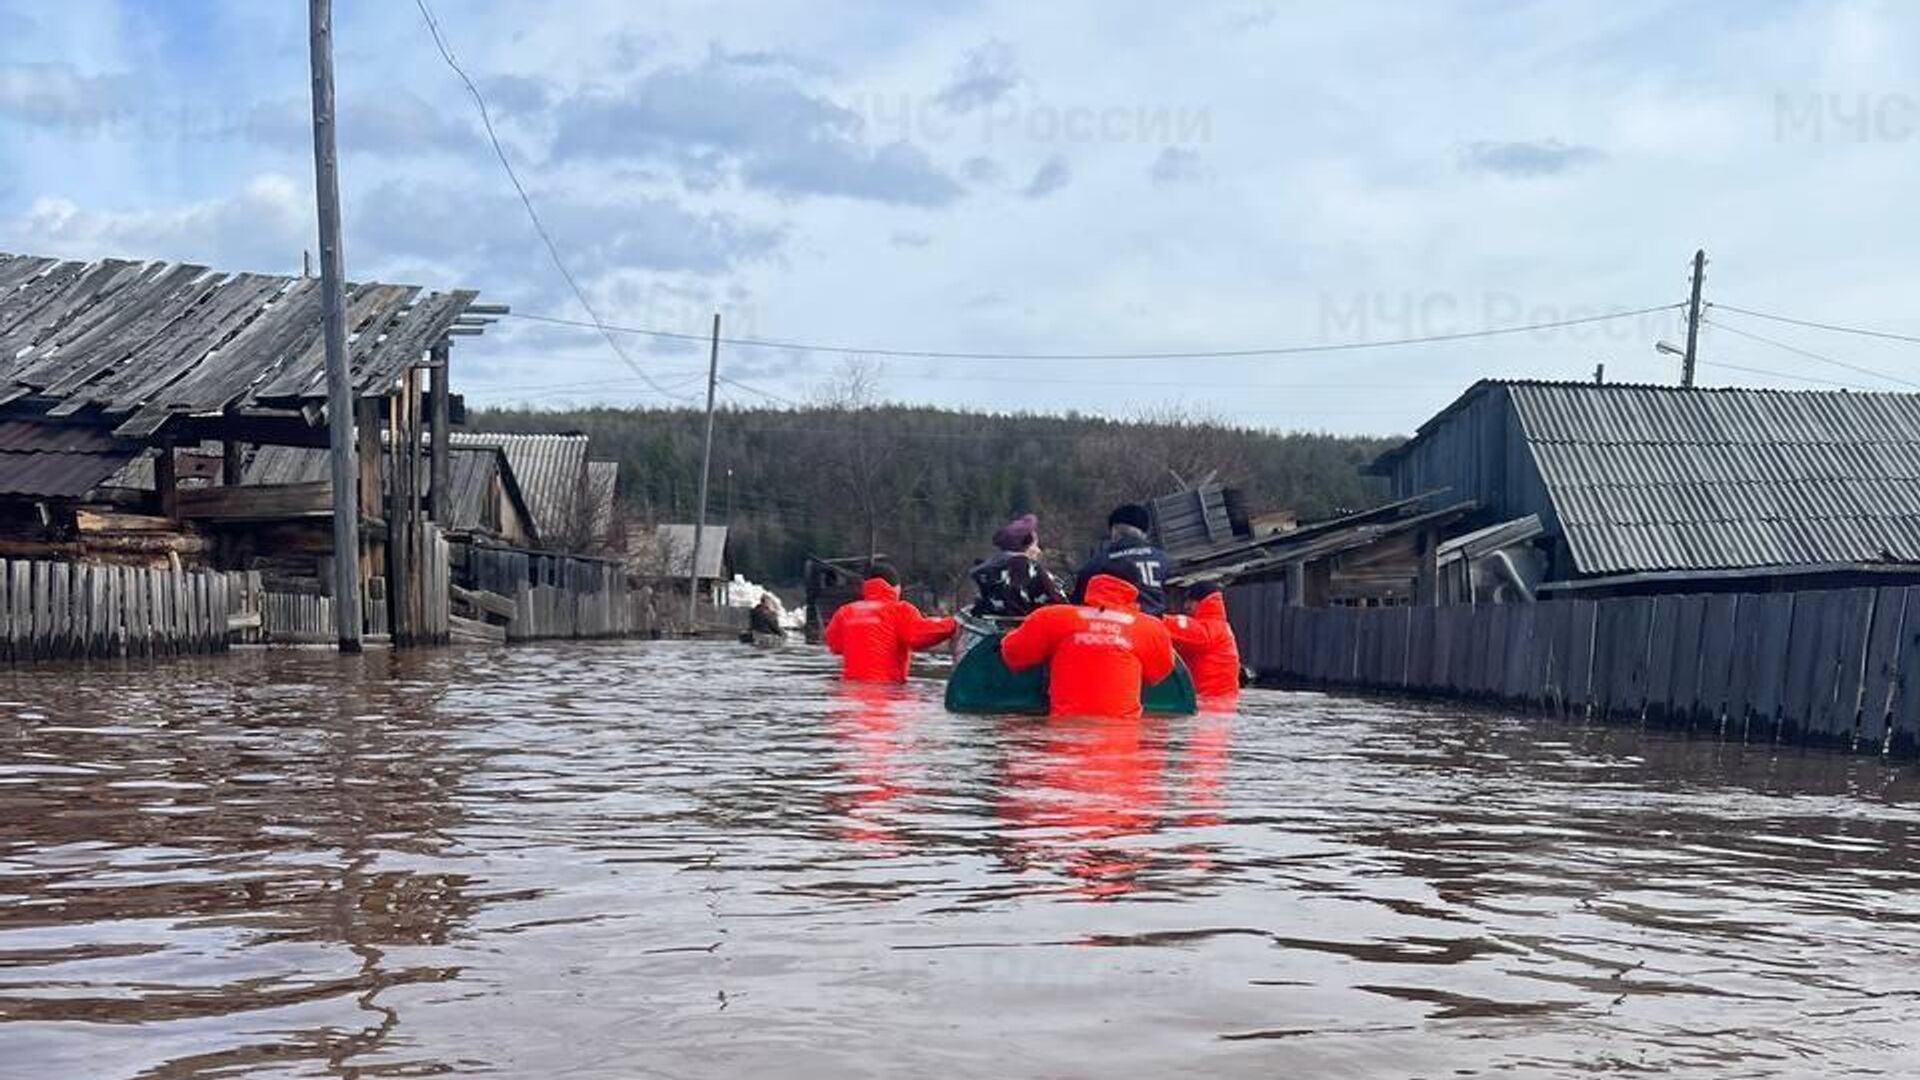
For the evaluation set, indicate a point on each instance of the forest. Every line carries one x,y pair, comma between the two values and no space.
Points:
926,487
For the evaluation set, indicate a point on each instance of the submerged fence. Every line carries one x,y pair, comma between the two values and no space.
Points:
554,595
57,610
1834,668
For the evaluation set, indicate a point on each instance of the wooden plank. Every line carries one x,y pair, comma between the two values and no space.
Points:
1806,667
1420,636
1516,654
476,632
1880,673
6,609
259,502
1838,710
1639,654
1585,672
1764,664
1607,637
1680,706
42,610
1903,725
1399,632
170,355
1661,630
80,626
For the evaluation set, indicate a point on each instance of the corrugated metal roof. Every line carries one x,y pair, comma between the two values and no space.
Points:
1648,478
552,473
58,461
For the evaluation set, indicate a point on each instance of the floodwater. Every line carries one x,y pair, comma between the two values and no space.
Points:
680,860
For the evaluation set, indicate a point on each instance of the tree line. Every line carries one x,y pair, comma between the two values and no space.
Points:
927,487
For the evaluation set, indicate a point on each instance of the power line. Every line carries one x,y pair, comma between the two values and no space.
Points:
768,394
1212,354
1809,354
553,250
1783,375
1836,327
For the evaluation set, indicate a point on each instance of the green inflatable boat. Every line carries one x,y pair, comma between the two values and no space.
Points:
981,683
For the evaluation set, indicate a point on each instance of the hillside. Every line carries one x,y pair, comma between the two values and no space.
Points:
928,486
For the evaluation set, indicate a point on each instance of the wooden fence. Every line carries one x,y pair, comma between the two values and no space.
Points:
1836,668
553,595
59,611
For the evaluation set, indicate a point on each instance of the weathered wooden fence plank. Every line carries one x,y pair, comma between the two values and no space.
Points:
1837,710
1659,658
1880,676
1682,707
1804,663
1903,725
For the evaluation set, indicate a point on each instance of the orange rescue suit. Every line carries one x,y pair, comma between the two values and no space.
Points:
1099,653
875,636
1205,641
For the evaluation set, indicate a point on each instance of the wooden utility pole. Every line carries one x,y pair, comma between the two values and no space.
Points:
333,320
706,462
439,425
1693,318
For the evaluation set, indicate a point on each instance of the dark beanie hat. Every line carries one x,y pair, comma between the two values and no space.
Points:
1015,535
1202,591
1131,514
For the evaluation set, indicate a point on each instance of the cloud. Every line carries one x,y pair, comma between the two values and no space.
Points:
264,227
595,235
986,75
909,238
517,95
391,121
1527,159
1051,177
717,120
1177,165
982,170
57,95
16,25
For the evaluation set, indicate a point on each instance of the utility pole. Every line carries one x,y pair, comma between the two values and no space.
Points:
1693,318
333,325
706,462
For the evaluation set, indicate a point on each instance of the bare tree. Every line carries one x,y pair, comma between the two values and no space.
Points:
879,473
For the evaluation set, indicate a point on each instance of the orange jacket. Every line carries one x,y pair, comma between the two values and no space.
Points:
1101,652
875,636
1205,641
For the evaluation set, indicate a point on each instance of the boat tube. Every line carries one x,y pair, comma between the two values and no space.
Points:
982,683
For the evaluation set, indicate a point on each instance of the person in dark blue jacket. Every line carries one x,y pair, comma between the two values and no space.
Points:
1129,555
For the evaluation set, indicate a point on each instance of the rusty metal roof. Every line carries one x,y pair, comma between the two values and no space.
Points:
1646,478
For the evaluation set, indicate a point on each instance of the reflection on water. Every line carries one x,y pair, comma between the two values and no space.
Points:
682,860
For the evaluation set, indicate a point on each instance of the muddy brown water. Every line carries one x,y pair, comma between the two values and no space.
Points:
677,860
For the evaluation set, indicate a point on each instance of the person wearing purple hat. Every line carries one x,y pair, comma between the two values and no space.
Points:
1012,582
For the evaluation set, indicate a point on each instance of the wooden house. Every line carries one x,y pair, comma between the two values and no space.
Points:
106,363
1662,489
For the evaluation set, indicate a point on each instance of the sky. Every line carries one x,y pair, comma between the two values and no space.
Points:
1046,179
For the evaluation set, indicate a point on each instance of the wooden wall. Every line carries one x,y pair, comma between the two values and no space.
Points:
1837,668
